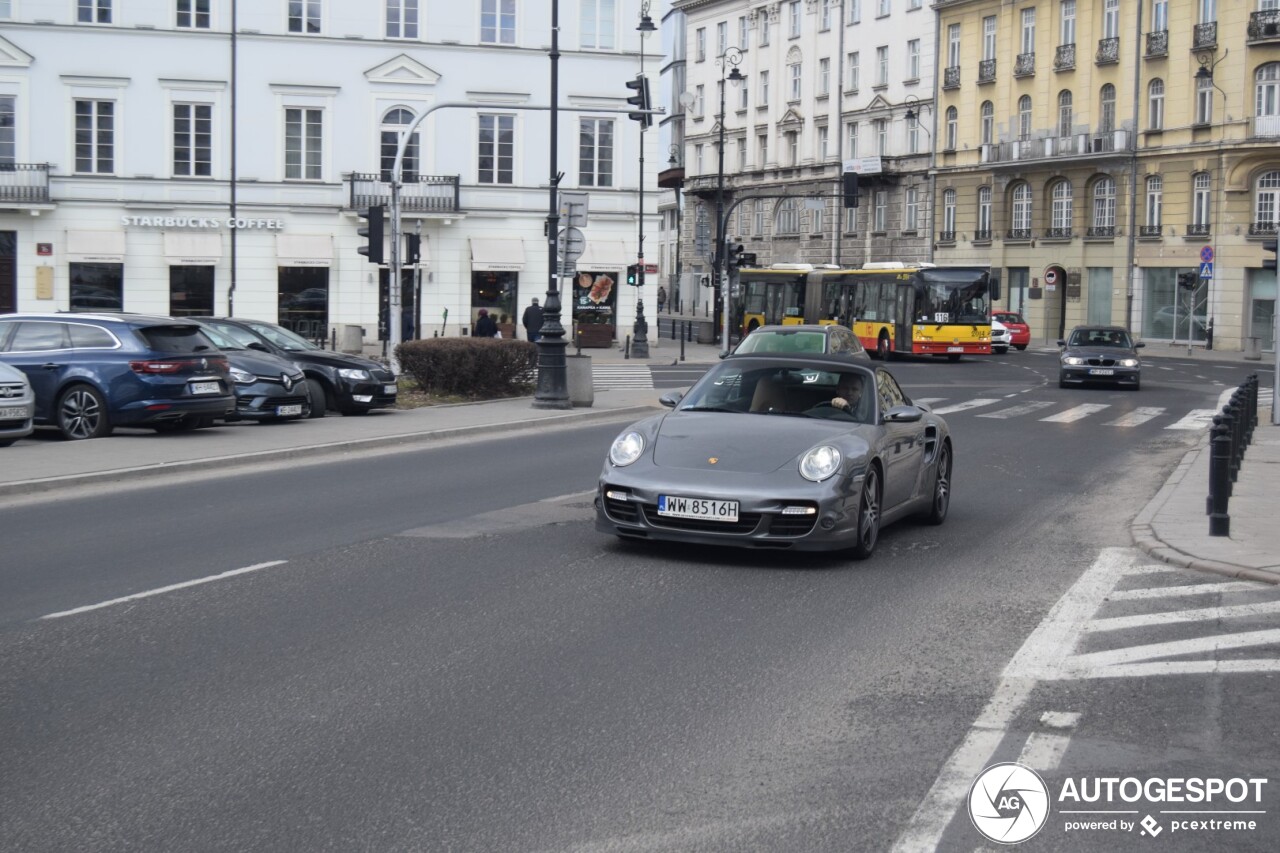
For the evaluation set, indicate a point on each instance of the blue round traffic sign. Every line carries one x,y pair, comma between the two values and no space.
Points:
1206,254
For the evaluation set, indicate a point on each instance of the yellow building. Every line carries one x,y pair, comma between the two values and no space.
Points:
1093,152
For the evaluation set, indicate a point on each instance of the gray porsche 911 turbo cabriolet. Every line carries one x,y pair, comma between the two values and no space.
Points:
804,452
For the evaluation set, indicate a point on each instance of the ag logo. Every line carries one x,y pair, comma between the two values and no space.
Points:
1008,803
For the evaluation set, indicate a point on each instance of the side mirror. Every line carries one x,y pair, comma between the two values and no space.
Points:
671,398
1140,345
903,415
1061,343
260,347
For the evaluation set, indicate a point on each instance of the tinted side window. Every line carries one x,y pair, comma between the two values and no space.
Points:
6,329
90,337
175,339
890,394
38,337
237,334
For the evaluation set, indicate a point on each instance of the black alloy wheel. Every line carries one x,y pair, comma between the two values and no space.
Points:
82,413
319,398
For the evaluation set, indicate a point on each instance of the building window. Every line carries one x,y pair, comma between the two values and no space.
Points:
1111,19
394,124
95,137
764,30
953,46
824,20
1267,90
855,11
303,138
191,291
762,143
743,41
882,66
1200,200
880,210
700,101
722,37
911,216
595,152
913,135
787,219
304,16
984,211
758,218
817,220
598,24
1265,207
793,71
882,11
496,150
96,287
1021,220
764,88
193,140
1064,114
193,14
1104,203
1155,196
1204,100
6,10
93,11
1061,208
1107,118
8,140
1024,118
953,128
743,93
1029,31
700,44
794,18
1155,104
402,19
851,137
949,212
988,122
823,136
1208,11
793,147
824,77
989,37
1068,26
882,136
1159,16
497,21
913,59
853,71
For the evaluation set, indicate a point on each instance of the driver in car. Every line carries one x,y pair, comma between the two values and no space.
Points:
848,392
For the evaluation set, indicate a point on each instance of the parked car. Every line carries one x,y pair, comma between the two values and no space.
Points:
94,372
775,451
1172,322
1100,354
17,405
1000,337
1019,331
268,387
351,384
829,339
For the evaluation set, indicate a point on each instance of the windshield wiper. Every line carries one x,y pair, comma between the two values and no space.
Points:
708,409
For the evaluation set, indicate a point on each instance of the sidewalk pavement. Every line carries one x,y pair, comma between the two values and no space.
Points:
1173,527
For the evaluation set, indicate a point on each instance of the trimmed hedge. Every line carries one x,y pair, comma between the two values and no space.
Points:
470,367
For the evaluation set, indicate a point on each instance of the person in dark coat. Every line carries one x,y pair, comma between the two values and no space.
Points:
532,321
485,327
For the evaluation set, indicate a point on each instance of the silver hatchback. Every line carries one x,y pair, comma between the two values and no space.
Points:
17,405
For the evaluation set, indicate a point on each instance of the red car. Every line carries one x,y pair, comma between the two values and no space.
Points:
1019,331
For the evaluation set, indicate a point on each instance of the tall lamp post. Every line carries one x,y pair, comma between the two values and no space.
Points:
552,390
1208,62
730,59
640,343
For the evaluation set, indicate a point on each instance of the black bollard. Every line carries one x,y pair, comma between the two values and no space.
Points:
1229,421
626,353
1219,485
682,347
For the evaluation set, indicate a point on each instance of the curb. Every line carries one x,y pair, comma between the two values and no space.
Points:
238,460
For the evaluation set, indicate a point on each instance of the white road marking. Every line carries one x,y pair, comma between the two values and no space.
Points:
1138,416
1017,411
928,401
1196,419
1044,751
1076,414
160,591
1193,589
1182,667
1060,719
960,407
1174,617
1079,666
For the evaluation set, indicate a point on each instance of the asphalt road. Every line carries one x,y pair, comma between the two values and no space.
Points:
449,657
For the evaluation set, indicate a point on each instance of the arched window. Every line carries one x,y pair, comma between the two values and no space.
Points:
988,122
949,213
1065,119
1155,202
1060,221
394,124
1104,207
1267,92
1020,221
1107,118
1024,117
1155,104
953,127
1265,207
786,219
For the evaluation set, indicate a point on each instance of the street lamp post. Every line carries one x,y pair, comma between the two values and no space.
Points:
640,343
731,58
552,390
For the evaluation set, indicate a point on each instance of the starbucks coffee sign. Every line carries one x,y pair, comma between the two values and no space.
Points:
237,223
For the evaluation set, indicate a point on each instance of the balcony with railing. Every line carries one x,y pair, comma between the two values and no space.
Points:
1101,231
1018,234
951,77
1204,35
1044,147
1266,126
1149,230
1264,26
1059,233
1108,51
24,183
1158,44
1024,65
1064,58
987,71
1262,229
946,236
982,235
418,193
1198,229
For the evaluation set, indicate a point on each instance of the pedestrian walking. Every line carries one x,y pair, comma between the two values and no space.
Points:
485,327
662,297
532,321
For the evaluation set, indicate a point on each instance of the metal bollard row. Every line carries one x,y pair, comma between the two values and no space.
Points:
1231,433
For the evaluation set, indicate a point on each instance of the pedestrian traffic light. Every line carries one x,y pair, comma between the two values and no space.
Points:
372,231
633,275
412,248
850,189
640,100
1269,263
746,259
1187,280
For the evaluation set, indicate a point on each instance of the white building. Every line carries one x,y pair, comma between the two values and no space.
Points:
212,156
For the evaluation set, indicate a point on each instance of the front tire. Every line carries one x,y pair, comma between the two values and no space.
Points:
1020,347
868,516
319,398
82,413
941,502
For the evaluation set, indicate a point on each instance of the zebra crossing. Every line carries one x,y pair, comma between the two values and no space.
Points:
1110,415
605,377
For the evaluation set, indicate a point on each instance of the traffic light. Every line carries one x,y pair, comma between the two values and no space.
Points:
1269,263
850,189
412,248
1187,280
633,275
372,231
640,100
746,259
732,251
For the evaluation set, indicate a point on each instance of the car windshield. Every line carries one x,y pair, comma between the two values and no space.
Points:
1101,338
221,341
1007,318
783,341
772,389
282,338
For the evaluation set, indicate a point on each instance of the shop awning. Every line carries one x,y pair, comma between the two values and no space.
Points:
101,247
603,255
192,250
497,253
304,250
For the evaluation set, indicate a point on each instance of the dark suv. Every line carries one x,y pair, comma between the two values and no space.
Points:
94,372
348,383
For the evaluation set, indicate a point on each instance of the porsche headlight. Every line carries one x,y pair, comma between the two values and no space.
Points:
626,448
820,463
1072,359
1128,362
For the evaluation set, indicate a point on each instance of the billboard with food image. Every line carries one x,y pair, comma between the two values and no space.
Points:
594,297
